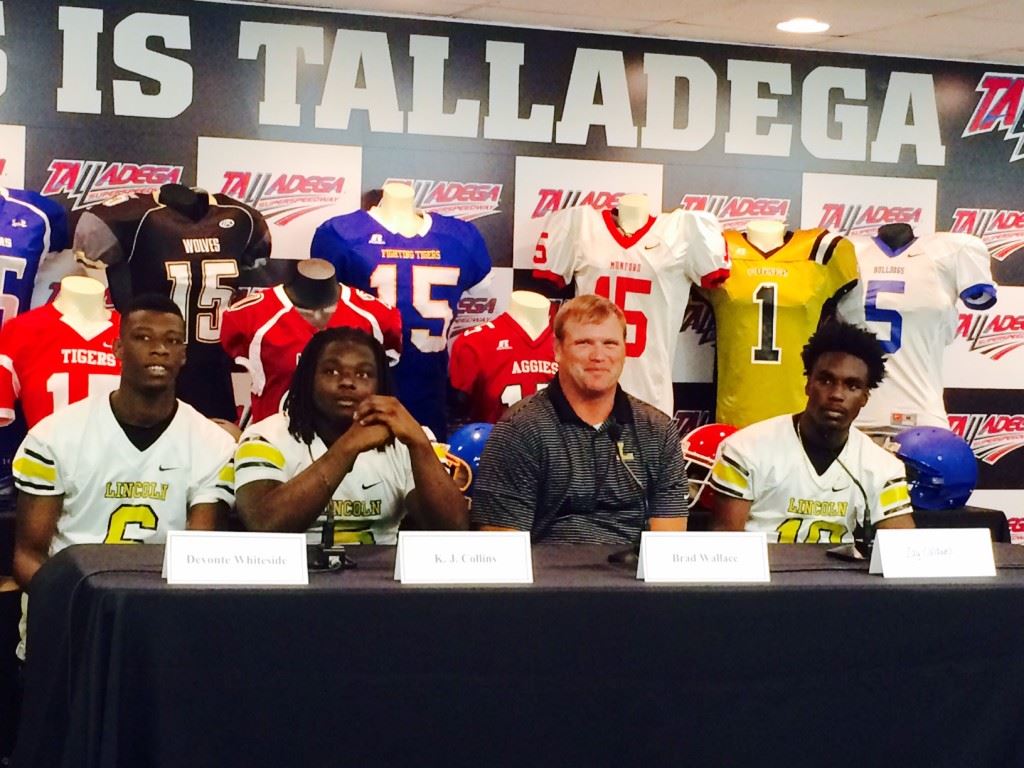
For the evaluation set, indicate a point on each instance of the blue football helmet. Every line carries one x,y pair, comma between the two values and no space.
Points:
467,443
941,468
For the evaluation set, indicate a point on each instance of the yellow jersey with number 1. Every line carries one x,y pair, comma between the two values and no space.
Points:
764,314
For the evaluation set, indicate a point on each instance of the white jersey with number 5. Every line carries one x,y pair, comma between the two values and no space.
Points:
113,492
908,298
647,274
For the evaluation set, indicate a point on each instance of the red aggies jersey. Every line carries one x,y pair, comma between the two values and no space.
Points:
497,364
47,364
265,333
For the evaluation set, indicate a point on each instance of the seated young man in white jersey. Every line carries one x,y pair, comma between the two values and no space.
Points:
344,444
125,467
811,477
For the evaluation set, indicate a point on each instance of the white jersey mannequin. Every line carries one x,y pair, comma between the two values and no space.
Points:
766,234
634,210
81,305
532,311
397,211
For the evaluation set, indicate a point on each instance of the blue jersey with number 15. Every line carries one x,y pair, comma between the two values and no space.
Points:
30,227
424,276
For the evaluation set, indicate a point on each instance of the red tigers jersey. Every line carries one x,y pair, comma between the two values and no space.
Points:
497,364
265,333
47,364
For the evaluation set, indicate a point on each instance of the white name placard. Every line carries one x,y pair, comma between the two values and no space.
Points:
703,558
229,557
464,557
924,553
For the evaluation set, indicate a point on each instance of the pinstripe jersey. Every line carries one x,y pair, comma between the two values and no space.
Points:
546,471
113,492
764,314
766,464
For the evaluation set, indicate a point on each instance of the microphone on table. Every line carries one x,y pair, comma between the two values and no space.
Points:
632,554
325,556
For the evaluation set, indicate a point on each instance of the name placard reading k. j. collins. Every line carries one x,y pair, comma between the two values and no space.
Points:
464,557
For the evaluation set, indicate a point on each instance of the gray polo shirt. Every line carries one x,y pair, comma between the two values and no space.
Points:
546,471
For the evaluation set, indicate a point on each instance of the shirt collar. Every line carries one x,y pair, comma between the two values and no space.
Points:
622,412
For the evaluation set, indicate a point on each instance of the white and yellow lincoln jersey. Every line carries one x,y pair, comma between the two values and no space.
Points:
113,492
368,504
766,464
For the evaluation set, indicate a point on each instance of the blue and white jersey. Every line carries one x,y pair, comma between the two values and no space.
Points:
424,276
908,298
31,226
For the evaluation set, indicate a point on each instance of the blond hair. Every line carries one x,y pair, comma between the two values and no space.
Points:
587,309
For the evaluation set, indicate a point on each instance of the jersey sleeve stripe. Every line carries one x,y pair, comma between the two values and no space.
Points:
735,465
39,457
719,488
823,250
37,471
25,484
898,494
729,477
227,473
257,464
257,449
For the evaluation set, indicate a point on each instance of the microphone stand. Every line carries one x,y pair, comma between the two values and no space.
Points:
325,556
863,543
630,555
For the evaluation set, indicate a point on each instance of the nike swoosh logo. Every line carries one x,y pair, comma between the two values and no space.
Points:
107,345
162,468
650,247
837,490
365,486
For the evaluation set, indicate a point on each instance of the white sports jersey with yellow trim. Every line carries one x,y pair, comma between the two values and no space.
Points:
765,463
908,298
647,275
368,504
113,492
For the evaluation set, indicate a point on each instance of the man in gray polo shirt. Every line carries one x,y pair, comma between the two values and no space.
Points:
582,461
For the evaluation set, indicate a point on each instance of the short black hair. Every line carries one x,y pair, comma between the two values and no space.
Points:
151,302
299,405
837,336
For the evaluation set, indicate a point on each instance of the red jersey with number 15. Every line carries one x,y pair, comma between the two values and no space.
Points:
497,364
265,333
47,364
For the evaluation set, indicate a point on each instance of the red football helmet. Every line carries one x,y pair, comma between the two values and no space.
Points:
699,450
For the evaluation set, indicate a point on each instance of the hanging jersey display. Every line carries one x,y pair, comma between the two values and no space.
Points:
495,365
149,247
765,313
908,298
424,276
647,275
265,333
33,230
45,364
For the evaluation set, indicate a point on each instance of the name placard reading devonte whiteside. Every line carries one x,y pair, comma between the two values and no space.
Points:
703,558
229,557
464,557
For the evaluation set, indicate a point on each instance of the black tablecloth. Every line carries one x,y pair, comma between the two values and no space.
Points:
825,666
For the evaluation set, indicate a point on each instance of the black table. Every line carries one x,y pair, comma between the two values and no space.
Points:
826,666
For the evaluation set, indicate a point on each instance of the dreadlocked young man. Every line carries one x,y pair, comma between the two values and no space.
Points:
346,443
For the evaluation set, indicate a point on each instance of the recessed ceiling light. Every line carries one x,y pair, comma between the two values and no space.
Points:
802,26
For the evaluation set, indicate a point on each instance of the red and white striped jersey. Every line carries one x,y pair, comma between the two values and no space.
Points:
265,333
